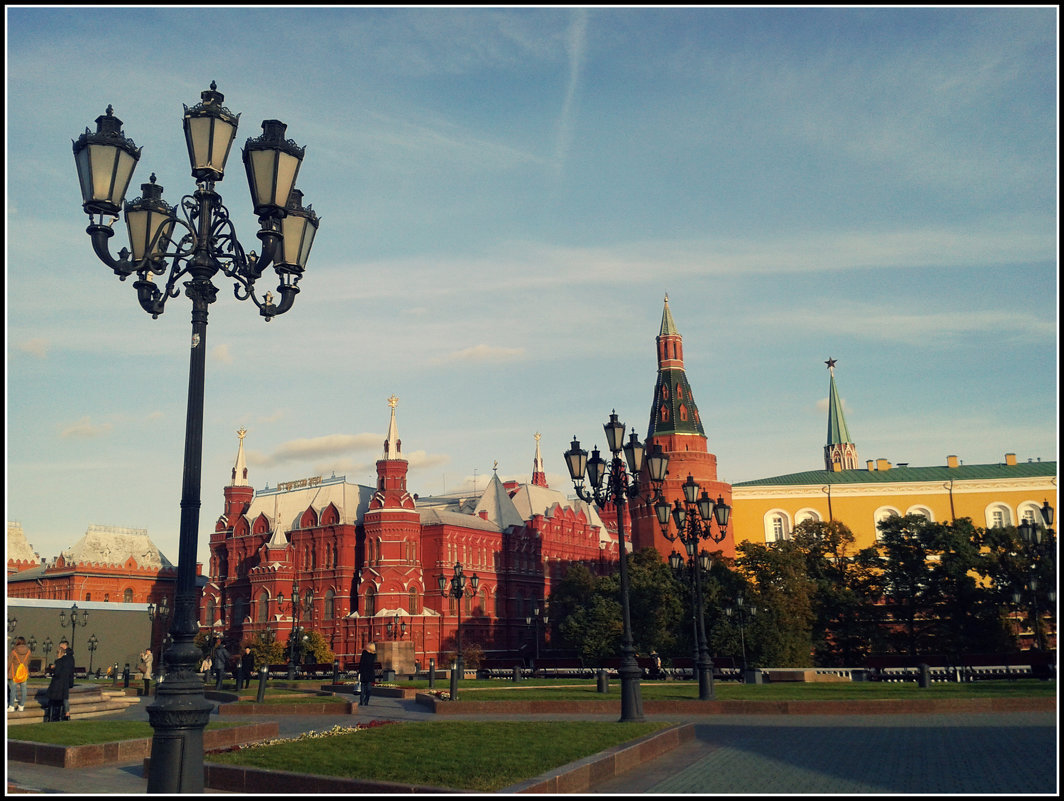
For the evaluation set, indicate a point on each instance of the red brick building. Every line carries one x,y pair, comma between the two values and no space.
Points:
358,558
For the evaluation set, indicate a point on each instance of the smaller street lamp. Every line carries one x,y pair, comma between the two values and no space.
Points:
534,621
456,588
78,617
396,628
46,646
158,612
743,614
92,645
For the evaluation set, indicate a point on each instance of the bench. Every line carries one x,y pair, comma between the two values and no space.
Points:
310,670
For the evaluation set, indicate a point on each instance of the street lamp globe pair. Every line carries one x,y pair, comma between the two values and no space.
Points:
620,484
193,243
693,521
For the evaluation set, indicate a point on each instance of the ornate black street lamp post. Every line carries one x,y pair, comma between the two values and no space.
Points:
78,617
396,627
620,486
208,245
301,607
743,614
46,646
1040,544
693,520
456,588
160,611
534,621
92,645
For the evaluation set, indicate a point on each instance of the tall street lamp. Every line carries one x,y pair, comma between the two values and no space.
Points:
456,588
205,245
300,607
694,519
46,646
743,614
78,617
1040,543
396,627
620,485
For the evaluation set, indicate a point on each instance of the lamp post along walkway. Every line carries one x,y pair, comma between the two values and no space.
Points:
455,587
693,520
620,485
206,246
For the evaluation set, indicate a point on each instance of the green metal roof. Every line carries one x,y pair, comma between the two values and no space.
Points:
969,472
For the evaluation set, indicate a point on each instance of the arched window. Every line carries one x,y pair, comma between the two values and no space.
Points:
330,599
88,596
777,526
921,511
998,515
806,514
371,601
127,596
412,602
210,612
881,514
264,607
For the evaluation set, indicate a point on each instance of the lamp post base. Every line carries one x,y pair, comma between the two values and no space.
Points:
178,716
631,696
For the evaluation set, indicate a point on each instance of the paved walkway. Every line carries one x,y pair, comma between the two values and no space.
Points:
1008,753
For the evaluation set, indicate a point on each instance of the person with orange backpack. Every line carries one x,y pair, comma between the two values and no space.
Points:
18,673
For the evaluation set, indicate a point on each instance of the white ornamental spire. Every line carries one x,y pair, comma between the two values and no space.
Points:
393,445
240,469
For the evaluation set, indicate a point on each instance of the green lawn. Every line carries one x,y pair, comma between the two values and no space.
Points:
473,756
88,732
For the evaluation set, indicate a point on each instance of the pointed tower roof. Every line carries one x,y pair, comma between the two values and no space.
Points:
837,433
393,445
673,410
668,325
240,469
840,453
539,476
498,505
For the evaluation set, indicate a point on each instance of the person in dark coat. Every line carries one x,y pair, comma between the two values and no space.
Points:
58,692
367,672
247,666
220,663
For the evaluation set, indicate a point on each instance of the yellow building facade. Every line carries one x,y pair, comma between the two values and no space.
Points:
1003,494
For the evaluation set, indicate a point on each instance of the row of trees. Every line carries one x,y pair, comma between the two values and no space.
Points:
925,588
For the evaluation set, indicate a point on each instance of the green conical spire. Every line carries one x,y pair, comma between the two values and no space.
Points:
839,453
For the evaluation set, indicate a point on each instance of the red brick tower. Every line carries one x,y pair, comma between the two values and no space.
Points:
675,425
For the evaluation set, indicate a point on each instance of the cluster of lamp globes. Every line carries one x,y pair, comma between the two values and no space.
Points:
105,163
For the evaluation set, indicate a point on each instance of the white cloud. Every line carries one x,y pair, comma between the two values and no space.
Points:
38,346
484,353
85,429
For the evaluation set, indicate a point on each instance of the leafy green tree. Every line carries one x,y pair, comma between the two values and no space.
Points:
844,611
655,602
781,634
266,649
905,581
1009,564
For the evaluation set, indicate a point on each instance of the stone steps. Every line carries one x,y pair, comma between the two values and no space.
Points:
86,701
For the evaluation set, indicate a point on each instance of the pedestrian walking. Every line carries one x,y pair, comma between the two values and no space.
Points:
18,673
367,672
144,667
247,667
58,692
220,663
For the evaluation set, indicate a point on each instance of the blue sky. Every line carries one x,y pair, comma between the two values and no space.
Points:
506,196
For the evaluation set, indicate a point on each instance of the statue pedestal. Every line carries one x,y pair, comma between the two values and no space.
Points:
397,655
